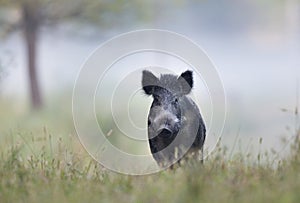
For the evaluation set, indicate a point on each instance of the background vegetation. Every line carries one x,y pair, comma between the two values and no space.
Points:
48,164
255,45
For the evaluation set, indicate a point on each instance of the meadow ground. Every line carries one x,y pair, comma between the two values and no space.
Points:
44,162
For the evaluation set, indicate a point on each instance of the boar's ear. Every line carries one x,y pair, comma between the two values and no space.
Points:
185,81
149,81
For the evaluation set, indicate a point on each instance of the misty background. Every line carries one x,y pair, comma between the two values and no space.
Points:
255,46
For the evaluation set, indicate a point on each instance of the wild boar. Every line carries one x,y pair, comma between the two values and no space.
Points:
175,125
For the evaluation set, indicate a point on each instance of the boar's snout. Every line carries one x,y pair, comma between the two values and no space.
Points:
171,124
164,123
165,132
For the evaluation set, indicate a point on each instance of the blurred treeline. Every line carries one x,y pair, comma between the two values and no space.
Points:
232,17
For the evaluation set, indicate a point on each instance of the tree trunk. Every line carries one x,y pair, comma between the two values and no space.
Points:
30,29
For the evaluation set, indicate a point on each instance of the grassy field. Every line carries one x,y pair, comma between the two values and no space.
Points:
41,160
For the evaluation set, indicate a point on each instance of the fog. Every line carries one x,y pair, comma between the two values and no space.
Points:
255,48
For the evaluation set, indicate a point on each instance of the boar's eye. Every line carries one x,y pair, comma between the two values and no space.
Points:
149,122
156,98
175,102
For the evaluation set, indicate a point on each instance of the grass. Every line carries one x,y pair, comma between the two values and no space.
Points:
67,176
39,163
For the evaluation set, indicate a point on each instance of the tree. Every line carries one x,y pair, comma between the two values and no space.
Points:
34,14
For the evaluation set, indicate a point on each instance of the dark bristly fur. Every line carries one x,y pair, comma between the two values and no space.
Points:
175,125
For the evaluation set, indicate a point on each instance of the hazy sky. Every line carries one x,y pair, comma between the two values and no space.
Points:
256,54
